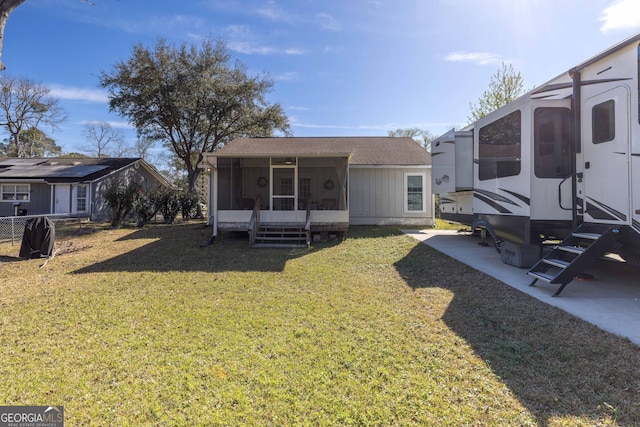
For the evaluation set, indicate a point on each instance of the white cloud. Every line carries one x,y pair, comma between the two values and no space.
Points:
328,22
242,39
249,48
115,125
286,77
78,93
293,51
481,58
621,15
274,13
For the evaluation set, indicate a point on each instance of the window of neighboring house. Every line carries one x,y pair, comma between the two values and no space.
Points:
81,198
499,148
414,192
603,122
16,192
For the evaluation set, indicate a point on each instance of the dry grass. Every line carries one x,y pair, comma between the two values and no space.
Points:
144,327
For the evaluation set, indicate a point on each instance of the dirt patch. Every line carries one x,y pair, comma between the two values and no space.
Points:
69,246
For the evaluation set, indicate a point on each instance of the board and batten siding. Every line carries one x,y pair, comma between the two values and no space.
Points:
377,196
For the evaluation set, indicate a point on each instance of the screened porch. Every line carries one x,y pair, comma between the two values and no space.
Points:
287,189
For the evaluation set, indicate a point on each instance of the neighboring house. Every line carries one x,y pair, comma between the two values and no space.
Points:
43,186
328,182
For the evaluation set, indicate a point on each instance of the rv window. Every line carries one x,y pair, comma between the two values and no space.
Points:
499,148
603,122
551,140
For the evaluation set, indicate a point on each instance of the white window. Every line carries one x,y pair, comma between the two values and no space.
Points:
414,199
15,192
81,198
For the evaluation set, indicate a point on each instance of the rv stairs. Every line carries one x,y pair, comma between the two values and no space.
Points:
281,236
576,252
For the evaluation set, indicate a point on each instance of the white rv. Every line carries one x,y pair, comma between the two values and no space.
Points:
560,162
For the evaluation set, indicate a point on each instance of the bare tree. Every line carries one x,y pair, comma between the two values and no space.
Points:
6,7
25,104
100,134
142,146
421,136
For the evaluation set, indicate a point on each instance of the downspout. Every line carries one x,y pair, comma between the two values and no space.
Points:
576,146
215,202
52,204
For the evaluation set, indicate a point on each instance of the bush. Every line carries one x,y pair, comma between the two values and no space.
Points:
120,199
168,205
189,205
146,207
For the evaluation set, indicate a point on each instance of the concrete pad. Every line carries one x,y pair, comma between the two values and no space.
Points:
610,301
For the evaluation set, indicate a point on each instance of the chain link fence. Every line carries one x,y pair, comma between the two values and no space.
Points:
12,227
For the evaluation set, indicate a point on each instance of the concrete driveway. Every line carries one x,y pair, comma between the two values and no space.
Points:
610,301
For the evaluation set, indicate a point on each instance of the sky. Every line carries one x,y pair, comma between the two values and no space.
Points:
340,67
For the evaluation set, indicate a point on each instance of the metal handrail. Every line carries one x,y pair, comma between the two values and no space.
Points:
560,194
307,225
254,222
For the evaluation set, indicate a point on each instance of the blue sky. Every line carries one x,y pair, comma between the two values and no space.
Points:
341,68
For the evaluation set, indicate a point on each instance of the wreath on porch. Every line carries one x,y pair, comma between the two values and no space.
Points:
262,182
329,184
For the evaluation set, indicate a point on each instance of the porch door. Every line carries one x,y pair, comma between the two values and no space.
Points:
283,192
606,151
62,198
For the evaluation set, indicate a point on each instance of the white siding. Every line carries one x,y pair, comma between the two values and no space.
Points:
376,197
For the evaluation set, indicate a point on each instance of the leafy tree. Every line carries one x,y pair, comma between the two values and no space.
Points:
74,155
193,99
25,104
423,137
35,143
101,134
505,86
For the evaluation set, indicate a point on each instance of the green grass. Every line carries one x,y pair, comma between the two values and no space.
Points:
144,327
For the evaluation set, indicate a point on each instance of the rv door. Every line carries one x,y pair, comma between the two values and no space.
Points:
606,147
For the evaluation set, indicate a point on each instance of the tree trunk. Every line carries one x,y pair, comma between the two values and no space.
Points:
6,7
192,178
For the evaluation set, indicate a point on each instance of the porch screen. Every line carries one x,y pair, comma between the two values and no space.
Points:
284,189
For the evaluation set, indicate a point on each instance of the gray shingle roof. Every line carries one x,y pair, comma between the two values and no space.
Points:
362,150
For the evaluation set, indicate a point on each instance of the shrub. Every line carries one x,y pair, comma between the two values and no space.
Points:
146,207
188,204
168,205
120,199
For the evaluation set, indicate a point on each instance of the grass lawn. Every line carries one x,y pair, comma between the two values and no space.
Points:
137,327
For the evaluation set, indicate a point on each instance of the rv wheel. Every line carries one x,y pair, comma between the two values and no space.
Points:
497,244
